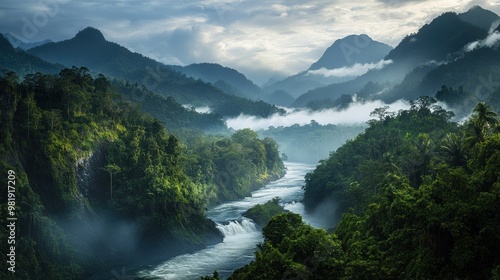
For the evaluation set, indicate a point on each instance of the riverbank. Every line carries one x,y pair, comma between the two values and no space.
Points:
240,234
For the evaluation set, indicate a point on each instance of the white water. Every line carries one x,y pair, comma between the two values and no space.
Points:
240,234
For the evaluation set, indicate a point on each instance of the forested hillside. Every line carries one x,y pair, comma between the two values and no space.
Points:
420,197
98,182
90,49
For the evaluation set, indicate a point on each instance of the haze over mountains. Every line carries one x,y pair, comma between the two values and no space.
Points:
344,59
453,50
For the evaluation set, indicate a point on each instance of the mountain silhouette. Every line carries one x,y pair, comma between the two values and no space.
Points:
443,39
351,50
222,77
90,49
21,62
345,52
480,17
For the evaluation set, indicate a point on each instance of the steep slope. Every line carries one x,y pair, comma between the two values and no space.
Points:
441,40
89,48
345,52
472,74
21,62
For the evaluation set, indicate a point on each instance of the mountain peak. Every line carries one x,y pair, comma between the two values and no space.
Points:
478,16
350,50
90,34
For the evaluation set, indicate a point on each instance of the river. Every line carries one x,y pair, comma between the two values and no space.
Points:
240,234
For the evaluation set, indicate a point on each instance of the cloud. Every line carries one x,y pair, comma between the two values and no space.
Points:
355,114
351,71
260,38
201,110
492,41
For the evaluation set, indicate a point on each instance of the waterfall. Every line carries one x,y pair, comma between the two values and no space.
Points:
236,228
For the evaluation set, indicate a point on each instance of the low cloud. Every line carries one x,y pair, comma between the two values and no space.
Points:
492,41
352,71
357,113
201,110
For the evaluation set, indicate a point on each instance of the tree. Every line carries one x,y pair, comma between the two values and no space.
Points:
382,113
454,150
111,168
484,116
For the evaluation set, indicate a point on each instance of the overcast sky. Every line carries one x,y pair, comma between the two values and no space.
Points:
259,38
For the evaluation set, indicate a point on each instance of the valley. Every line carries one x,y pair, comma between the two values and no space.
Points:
376,161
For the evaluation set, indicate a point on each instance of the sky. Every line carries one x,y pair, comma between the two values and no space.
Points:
261,39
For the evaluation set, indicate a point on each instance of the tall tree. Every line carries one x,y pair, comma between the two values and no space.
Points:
111,169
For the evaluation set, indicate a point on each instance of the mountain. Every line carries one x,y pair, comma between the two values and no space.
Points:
469,77
343,53
460,83
22,45
21,62
441,40
351,50
226,79
480,17
89,48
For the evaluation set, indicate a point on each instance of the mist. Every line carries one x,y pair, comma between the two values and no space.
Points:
201,110
351,71
491,41
357,113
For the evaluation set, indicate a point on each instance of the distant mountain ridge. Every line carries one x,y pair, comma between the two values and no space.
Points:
351,50
345,52
21,62
16,43
443,39
89,48
226,79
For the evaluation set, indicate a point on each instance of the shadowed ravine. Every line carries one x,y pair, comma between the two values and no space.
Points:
240,234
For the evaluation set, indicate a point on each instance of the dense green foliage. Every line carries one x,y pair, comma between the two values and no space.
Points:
294,250
424,200
233,167
404,142
167,110
262,213
99,182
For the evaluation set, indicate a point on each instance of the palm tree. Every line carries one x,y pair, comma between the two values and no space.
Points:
454,150
482,119
484,116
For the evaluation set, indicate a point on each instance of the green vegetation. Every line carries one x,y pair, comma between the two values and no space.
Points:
233,167
420,197
89,48
262,213
100,183
294,250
